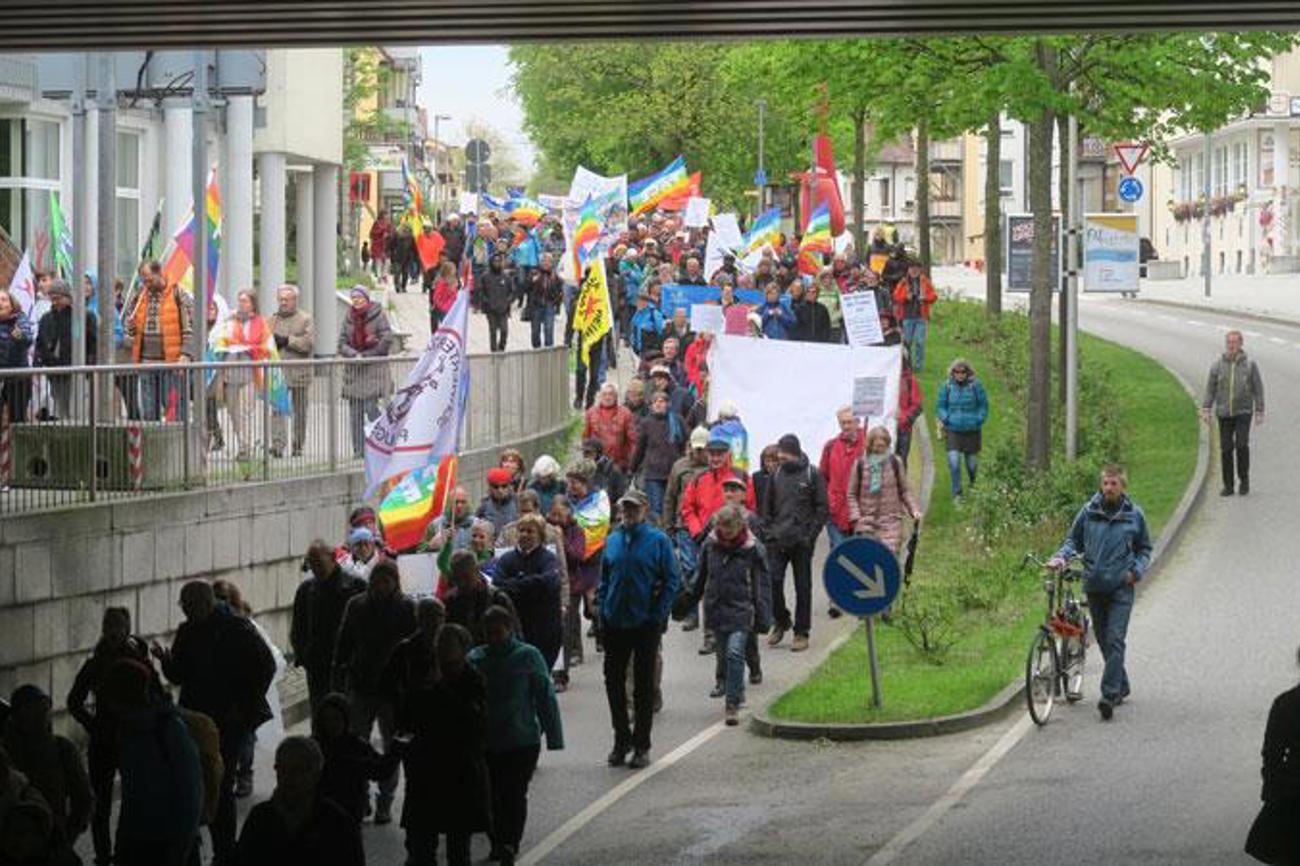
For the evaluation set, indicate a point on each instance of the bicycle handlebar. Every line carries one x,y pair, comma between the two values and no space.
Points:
1073,566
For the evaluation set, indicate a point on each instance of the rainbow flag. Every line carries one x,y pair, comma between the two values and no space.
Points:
817,241
525,211
648,192
419,496
586,236
61,238
592,514
232,340
678,200
737,437
178,259
413,200
765,229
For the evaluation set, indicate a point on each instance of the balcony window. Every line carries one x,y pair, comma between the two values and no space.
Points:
29,172
126,255
1007,177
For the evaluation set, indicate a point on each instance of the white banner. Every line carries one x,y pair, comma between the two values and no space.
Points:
422,420
783,386
1111,261
697,213
706,317
861,318
713,253
468,202
727,229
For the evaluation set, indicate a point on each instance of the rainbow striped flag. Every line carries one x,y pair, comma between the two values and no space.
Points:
648,192
232,340
817,241
419,496
586,236
525,211
736,436
413,200
593,514
765,229
178,259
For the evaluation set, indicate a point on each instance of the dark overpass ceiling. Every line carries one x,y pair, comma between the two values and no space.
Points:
89,24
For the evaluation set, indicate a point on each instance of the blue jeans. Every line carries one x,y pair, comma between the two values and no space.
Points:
543,325
731,651
654,491
954,469
1110,613
688,559
914,331
155,392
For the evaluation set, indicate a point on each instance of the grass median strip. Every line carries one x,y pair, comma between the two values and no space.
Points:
961,628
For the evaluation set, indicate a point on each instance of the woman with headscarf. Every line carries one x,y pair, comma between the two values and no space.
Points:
364,334
879,493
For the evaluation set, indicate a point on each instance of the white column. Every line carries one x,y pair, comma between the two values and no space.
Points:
271,167
1281,192
237,210
178,123
325,216
86,218
304,224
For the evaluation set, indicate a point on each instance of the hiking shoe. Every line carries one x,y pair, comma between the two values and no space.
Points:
800,643
1243,488
691,623
1227,491
719,689
243,786
731,715
383,814
617,756
710,645
777,635
1106,708
755,678
640,760
834,612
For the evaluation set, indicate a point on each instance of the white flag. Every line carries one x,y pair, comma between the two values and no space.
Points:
23,286
422,420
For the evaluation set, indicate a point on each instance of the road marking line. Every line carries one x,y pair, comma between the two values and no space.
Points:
894,847
1251,333
569,828
1168,318
1196,323
1277,340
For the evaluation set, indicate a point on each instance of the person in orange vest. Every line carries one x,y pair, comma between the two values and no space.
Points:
913,296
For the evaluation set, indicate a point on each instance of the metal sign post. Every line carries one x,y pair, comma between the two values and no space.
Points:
862,578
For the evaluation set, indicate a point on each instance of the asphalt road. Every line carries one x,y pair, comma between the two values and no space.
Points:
1173,779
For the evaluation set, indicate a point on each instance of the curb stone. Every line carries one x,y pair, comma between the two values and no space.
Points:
1232,313
1001,704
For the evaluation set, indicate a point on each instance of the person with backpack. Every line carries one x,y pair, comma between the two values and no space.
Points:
879,496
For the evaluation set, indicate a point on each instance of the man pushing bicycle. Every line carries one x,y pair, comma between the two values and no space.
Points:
1110,533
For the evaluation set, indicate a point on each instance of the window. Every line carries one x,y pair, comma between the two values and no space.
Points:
29,172
1185,179
1007,177
1265,158
1221,171
1239,166
944,186
884,193
127,253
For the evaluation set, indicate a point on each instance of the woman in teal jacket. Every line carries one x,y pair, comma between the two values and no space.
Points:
521,706
962,409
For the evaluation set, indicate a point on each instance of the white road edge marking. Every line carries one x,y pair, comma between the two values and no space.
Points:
1277,340
569,828
894,847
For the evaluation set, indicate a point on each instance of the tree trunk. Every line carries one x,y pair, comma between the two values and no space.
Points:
860,182
993,218
923,193
1063,207
1038,427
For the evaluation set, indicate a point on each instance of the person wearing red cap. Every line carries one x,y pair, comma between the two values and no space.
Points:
500,506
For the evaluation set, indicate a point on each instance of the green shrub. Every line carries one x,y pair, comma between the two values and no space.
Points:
929,617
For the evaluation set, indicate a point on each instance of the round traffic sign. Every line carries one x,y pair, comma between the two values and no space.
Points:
862,576
1130,189
477,150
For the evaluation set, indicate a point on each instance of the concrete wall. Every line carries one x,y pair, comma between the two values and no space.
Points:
58,571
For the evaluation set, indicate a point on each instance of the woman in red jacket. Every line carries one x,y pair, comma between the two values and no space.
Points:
443,295
909,407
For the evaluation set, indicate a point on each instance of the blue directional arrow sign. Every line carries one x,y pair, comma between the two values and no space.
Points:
862,576
1130,189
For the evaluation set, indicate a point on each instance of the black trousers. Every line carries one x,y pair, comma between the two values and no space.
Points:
422,846
640,646
587,377
498,328
101,764
233,738
510,773
799,558
1234,446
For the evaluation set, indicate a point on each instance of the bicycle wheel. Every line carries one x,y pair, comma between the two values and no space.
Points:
1073,655
1042,671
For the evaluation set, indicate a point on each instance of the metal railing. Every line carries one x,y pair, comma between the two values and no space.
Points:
74,435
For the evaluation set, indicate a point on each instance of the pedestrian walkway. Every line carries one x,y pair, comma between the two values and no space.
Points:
409,312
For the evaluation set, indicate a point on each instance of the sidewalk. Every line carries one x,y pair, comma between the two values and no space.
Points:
1274,296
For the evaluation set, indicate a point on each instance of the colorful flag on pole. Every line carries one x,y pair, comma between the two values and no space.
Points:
61,238
422,421
592,514
178,260
647,193
591,312
23,286
525,211
817,241
487,202
429,247
678,200
585,237
766,228
421,495
254,340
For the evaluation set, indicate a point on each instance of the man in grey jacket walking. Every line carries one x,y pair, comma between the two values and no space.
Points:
1235,392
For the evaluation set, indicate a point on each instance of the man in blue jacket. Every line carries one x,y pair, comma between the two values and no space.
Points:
1110,533
639,581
